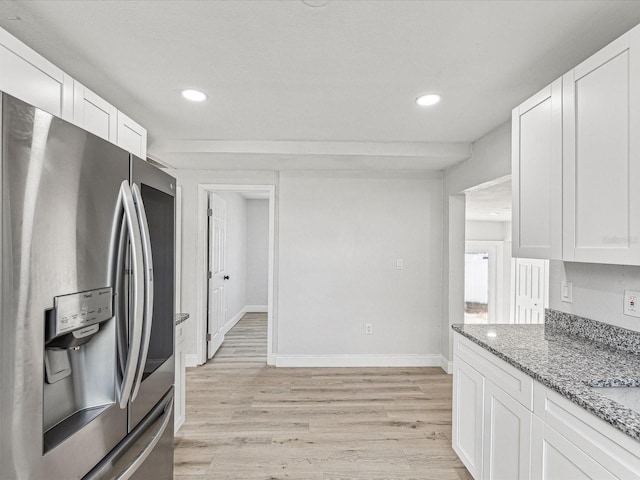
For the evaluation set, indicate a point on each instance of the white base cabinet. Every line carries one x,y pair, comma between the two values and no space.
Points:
468,391
506,426
507,436
556,458
180,384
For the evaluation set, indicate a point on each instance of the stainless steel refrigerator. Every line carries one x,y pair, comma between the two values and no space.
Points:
86,304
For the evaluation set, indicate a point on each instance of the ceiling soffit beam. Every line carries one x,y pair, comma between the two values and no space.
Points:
384,149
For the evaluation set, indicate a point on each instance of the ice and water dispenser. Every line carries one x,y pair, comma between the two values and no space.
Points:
79,361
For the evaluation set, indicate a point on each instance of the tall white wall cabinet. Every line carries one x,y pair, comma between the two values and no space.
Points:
537,175
32,78
601,122
576,162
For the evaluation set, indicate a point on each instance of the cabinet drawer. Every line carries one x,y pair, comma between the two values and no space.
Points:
615,451
500,373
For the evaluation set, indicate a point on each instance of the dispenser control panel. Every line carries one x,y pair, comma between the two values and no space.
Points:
79,310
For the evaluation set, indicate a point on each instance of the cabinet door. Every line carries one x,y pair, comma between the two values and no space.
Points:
553,457
537,175
507,436
601,150
131,136
468,404
33,79
93,113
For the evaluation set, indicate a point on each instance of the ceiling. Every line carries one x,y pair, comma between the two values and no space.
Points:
296,86
489,203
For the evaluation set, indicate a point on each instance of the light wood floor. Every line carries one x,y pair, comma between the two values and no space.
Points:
248,421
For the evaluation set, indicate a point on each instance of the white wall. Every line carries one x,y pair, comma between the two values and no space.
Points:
480,230
191,266
598,291
257,252
491,159
236,254
340,236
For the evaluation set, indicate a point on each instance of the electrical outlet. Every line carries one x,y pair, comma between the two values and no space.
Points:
631,303
368,329
566,292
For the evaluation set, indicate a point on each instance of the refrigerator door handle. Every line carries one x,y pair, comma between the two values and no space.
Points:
148,287
131,221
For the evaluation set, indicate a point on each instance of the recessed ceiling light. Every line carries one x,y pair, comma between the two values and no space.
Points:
194,95
494,213
14,18
428,99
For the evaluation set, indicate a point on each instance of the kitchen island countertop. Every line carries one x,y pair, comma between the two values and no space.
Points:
568,364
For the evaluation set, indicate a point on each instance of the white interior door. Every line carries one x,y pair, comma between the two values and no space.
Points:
217,250
531,286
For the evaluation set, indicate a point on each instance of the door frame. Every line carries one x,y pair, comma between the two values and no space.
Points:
201,273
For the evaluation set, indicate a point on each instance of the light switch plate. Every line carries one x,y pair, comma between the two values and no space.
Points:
631,303
399,264
566,292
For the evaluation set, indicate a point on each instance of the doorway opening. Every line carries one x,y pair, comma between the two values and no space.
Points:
236,252
487,253
476,286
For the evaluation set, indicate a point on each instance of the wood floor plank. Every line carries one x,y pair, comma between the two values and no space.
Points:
248,421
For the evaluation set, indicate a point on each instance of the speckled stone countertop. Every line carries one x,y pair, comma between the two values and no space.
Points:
566,363
181,317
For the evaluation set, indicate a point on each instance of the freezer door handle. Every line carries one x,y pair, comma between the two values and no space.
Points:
129,455
133,226
135,465
148,287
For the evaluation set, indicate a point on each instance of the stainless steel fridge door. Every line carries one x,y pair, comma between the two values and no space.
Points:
59,199
157,192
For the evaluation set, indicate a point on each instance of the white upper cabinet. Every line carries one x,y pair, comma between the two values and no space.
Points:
601,156
94,114
537,175
131,136
26,75
30,77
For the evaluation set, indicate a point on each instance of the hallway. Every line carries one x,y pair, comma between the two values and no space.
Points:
248,421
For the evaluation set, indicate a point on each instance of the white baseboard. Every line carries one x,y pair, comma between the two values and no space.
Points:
357,360
232,323
446,365
256,308
191,360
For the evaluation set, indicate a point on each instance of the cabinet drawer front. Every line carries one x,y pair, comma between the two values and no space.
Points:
612,449
500,373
